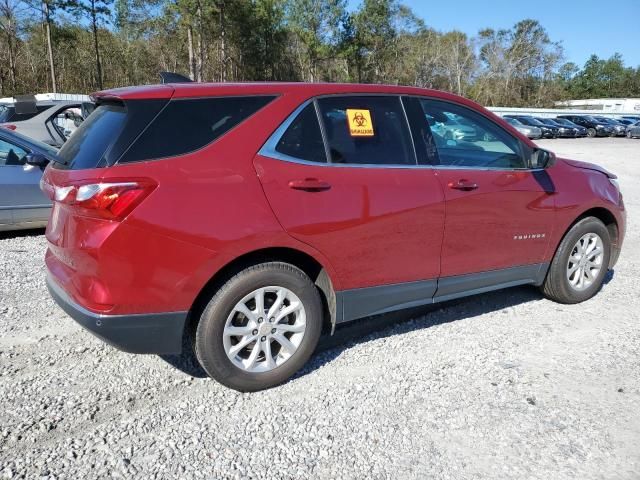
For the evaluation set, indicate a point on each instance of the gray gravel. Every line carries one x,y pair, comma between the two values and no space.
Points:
505,385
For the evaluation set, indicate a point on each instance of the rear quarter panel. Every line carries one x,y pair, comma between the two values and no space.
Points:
208,209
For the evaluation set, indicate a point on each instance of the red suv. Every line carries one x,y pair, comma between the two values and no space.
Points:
249,216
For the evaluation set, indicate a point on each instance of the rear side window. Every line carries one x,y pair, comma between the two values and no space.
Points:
184,126
366,130
303,139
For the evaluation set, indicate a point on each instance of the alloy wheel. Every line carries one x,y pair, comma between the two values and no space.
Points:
264,329
585,262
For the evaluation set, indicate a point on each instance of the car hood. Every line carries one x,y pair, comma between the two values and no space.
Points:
589,166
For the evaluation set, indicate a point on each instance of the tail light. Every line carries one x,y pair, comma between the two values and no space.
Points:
110,201
8,126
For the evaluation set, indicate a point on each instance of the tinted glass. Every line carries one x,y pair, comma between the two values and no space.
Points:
185,126
367,130
11,154
465,138
88,145
303,138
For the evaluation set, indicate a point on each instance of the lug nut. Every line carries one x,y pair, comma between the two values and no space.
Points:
273,330
264,339
271,320
255,332
260,320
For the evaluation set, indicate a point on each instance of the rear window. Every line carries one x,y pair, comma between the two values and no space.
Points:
87,147
187,125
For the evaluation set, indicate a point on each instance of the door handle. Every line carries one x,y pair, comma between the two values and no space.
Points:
309,185
463,184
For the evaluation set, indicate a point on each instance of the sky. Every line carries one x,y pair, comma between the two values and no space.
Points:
584,27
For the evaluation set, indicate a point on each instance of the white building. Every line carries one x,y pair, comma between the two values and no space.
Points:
626,105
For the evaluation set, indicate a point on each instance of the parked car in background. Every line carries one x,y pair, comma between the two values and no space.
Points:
620,129
251,216
595,128
580,131
19,111
563,132
547,131
633,118
452,127
633,131
53,125
22,203
527,130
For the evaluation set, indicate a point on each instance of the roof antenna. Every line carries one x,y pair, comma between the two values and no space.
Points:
171,77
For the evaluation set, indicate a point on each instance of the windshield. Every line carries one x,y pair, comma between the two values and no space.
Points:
512,121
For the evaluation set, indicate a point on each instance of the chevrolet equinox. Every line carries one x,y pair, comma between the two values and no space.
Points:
247,217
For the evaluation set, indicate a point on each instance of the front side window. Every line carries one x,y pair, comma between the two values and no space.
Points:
369,130
11,154
303,138
464,138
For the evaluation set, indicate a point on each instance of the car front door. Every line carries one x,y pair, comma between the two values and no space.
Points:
21,201
350,187
499,212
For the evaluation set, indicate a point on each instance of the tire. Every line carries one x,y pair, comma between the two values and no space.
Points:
591,132
211,343
629,134
559,284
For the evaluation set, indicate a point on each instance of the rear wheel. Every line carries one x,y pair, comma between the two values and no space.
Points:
580,263
591,132
260,327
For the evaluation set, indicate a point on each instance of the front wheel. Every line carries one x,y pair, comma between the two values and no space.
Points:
260,328
591,132
580,263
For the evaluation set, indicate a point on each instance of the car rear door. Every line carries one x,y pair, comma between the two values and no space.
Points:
21,201
499,212
350,187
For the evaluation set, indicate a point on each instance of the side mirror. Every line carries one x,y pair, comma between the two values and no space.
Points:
37,160
542,158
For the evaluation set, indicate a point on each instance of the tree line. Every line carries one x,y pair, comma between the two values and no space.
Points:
81,46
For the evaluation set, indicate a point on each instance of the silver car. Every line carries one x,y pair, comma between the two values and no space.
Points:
633,131
22,160
52,125
528,130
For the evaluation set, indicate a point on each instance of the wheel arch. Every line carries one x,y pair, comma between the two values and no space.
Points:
610,221
302,260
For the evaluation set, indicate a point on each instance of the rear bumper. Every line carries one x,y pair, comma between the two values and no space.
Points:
159,333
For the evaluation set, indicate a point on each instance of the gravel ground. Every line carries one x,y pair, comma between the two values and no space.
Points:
505,385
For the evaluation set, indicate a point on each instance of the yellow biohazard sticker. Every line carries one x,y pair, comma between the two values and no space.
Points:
360,124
